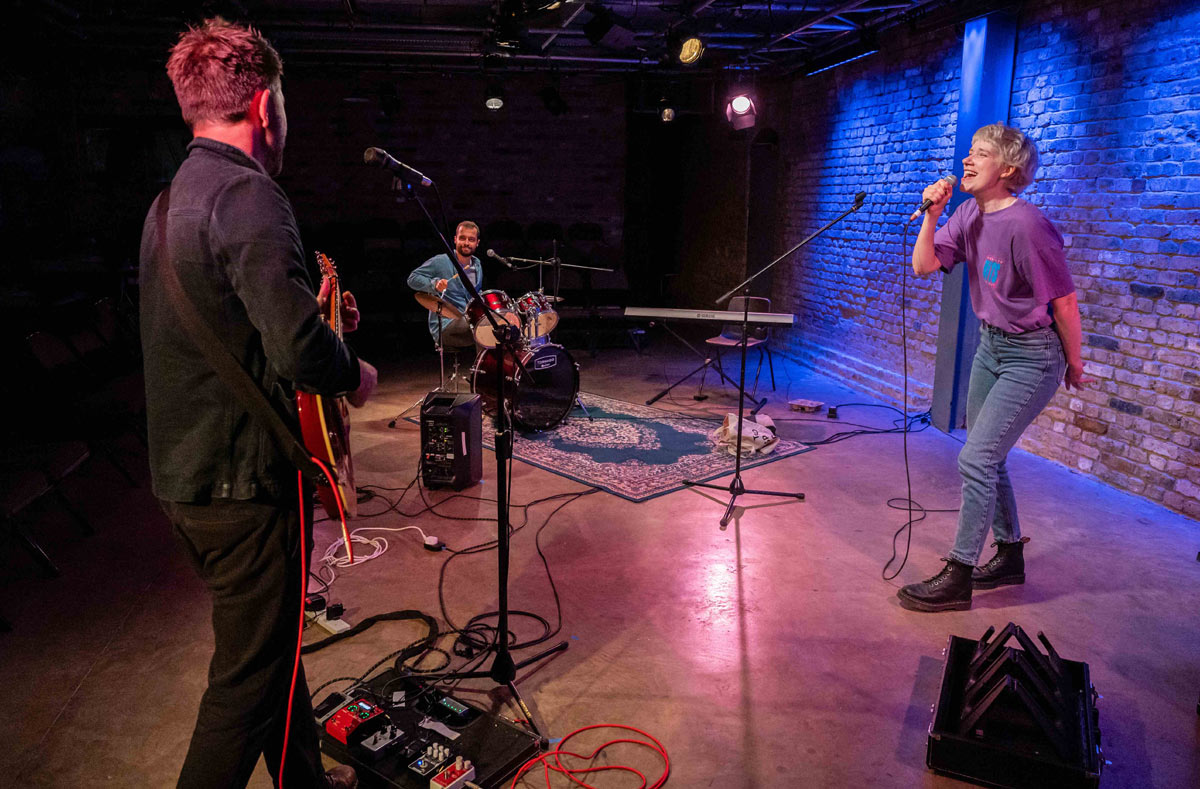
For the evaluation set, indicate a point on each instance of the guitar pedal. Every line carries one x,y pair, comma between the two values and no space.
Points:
454,775
354,721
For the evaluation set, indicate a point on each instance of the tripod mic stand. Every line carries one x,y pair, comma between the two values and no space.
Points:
736,487
504,669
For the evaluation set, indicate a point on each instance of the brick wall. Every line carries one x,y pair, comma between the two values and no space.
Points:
1111,92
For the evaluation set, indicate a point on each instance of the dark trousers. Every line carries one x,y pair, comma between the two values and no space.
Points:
248,553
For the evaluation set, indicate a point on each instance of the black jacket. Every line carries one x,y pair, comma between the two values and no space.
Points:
232,237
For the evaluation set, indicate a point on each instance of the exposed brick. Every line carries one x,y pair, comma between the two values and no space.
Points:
1091,425
1148,291
1115,108
1190,296
1098,341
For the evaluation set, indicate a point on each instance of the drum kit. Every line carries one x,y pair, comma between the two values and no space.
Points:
542,382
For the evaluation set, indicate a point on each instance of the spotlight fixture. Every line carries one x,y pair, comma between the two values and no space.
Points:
666,112
494,98
685,46
740,111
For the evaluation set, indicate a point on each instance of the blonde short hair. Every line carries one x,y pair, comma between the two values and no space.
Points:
1016,150
217,67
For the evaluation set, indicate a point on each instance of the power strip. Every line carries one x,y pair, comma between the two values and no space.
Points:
332,626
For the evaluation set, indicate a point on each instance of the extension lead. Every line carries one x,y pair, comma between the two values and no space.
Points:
433,544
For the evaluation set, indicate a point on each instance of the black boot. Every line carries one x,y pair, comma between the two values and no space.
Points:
949,590
1006,567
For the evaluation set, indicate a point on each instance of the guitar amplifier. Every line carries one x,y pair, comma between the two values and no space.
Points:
451,440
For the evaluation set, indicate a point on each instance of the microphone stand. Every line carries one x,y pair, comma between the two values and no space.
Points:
504,668
736,487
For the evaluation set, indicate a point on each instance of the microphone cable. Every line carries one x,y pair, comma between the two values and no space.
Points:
907,503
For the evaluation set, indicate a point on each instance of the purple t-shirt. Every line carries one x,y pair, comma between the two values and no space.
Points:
1015,263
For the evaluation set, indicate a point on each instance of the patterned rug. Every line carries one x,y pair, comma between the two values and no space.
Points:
632,451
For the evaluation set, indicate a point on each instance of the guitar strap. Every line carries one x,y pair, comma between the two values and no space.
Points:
228,368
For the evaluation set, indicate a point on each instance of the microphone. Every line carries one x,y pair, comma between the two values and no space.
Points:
952,178
492,254
382,159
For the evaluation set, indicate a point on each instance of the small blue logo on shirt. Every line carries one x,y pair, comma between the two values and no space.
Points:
991,270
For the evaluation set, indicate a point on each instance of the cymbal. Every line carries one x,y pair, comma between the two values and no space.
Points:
438,305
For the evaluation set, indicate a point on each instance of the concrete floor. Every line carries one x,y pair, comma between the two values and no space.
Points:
771,654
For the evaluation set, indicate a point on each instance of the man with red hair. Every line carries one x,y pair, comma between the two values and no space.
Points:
228,232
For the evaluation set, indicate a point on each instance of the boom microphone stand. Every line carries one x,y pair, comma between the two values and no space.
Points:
735,487
504,669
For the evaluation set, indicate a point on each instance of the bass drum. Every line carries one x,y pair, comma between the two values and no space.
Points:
541,395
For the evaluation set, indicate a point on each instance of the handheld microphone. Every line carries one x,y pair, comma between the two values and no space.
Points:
382,159
952,178
492,254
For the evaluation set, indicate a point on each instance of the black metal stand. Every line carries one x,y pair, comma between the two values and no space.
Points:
736,487
441,387
503,670
709,362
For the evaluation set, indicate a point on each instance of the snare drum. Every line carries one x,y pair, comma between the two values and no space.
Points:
541,395
537,312
505,311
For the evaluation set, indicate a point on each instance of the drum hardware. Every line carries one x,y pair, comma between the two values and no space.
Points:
443,309
538,317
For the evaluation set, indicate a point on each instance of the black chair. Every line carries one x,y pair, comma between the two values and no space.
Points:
731,337
31,472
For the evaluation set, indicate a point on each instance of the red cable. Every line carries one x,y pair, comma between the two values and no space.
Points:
570,773
287,726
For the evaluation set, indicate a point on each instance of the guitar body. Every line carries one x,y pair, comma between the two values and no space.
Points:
325,421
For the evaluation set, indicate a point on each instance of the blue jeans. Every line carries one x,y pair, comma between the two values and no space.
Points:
1012,378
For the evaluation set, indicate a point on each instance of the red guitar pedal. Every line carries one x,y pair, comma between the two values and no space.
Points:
358,716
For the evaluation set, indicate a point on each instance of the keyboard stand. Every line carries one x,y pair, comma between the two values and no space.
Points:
709,362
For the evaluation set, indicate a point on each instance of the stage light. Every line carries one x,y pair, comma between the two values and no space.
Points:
666,113
691,50
494,98
685,46
740,111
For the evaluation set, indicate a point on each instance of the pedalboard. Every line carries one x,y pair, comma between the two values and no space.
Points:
397,731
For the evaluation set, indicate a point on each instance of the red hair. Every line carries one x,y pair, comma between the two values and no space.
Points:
218,67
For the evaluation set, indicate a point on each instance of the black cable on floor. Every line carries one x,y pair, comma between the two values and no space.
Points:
908,504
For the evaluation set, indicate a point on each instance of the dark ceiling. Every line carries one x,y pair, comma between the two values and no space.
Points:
620,35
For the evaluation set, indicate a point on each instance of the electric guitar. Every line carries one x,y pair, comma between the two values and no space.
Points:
325,421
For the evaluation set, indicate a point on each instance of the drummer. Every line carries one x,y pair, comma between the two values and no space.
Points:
438,276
